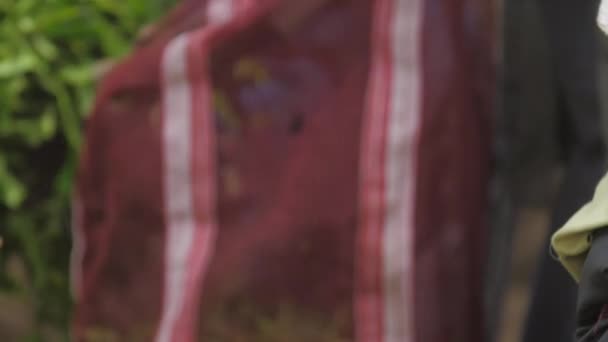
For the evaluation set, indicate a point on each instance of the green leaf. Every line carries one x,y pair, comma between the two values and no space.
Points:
45,47
14,194
17,65
12,191
48,123
63,181
24,6
55,17
26,24
79,75
111,39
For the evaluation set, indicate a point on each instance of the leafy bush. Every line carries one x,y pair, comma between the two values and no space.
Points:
50,54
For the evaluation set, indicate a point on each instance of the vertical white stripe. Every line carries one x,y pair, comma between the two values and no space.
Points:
177,182
602,17
403,126
219,11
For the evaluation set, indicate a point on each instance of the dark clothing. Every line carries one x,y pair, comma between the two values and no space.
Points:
574,118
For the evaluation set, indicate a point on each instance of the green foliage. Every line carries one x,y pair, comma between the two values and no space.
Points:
50,51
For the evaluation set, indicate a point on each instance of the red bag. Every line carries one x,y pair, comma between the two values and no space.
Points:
240,184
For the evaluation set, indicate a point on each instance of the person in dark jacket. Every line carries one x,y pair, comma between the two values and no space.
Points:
572,37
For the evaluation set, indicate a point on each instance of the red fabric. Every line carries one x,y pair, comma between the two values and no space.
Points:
453,168
292,192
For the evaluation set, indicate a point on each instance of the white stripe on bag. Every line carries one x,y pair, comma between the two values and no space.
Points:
401,160
176,139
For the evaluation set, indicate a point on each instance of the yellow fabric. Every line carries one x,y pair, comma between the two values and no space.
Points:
572,241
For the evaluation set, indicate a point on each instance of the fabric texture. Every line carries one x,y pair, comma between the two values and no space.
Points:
244,184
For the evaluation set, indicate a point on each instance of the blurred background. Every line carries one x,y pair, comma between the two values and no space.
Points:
549,119
51,54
